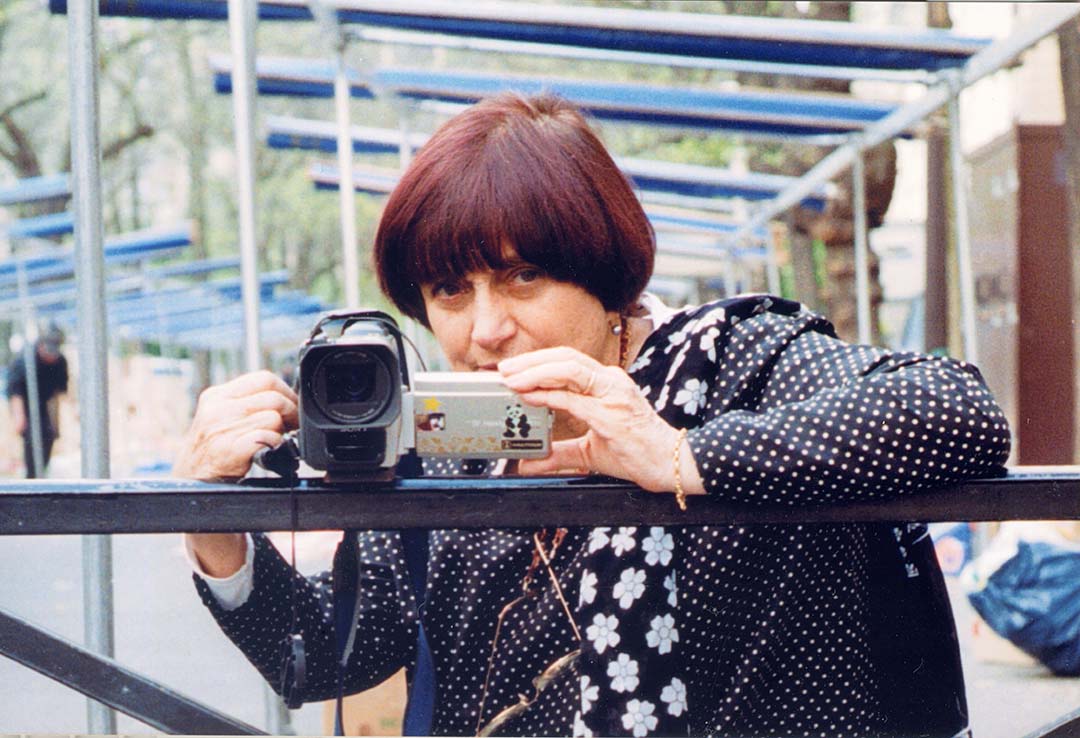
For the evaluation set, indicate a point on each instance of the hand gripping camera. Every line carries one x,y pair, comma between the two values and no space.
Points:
360,411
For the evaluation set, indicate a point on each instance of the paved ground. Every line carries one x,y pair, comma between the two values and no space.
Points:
162,631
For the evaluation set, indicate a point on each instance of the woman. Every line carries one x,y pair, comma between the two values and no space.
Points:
516,240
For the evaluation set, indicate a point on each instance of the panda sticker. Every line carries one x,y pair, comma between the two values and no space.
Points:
517,423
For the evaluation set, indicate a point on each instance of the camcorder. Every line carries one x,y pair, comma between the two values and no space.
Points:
361,411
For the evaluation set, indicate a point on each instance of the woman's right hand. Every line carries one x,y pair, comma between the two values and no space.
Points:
232,421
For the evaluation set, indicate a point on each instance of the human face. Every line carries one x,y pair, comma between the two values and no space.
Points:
494,314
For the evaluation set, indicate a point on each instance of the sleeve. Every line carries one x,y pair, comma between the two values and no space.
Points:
796,416
232,591
16,383
385,636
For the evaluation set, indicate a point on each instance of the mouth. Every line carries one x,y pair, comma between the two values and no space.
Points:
488,368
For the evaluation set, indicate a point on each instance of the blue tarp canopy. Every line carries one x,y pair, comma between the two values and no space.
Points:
381,181
34,189
681,179
61,292
810,42
769,113
42,226
373,180
125,249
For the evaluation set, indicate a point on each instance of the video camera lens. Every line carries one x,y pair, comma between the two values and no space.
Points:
352,386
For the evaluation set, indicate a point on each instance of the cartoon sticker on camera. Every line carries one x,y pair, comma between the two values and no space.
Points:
431,422
517,422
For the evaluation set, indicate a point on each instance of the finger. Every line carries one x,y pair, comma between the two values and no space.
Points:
566,456
544,356
255,382
271,400
574,375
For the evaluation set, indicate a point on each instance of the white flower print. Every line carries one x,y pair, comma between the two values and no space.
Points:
603,632
669,585
642,361
590,693
623,541
624,673
658,547
631,586
692,396
639,717
708,343
581,730
677,339
598,538
662,633
588,588
675,695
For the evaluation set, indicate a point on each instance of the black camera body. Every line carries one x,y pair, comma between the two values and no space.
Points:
360,411
353,376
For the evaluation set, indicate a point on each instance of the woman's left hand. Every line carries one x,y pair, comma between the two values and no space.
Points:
626,437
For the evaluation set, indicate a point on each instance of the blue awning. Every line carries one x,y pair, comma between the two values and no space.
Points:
131,247
709,35
659,176
42,226
34,189
772,113
58,293
373,180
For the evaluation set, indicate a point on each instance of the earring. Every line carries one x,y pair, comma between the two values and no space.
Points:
617,329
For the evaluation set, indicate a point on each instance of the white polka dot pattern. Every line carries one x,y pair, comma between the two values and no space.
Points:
720,630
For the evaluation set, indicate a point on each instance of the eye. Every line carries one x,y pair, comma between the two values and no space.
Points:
527,274
446,290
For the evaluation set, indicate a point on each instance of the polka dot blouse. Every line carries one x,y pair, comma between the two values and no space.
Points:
771,630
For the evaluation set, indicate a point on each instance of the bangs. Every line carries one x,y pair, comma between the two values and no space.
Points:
514,179
509,198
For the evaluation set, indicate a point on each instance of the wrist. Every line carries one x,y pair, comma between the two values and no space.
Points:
220,555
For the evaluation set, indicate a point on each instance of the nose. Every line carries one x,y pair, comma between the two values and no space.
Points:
493,324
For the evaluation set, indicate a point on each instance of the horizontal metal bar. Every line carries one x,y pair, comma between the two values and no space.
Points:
156,506
106,681
1064,726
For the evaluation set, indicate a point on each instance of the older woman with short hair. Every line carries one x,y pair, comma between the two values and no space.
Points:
514,237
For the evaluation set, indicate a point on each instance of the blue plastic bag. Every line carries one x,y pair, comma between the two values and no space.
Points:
1033,600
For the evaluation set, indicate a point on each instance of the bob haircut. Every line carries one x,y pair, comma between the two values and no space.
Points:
523,172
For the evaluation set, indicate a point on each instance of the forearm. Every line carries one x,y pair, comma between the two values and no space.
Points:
219,554
18,413
260,625
904,428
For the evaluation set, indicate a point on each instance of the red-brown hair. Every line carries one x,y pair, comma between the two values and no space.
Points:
523,171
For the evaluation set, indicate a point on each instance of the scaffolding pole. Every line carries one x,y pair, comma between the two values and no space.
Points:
92,329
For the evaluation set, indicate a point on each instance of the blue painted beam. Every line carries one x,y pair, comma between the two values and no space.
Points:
713,35
34,189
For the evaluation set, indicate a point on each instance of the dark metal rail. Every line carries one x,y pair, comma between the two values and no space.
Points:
159,506
110,683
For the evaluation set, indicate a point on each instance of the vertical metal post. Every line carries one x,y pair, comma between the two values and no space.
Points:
346,191
963,231
29,351
862,247
92,326
242,17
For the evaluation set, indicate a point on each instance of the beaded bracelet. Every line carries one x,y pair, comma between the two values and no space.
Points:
680,493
